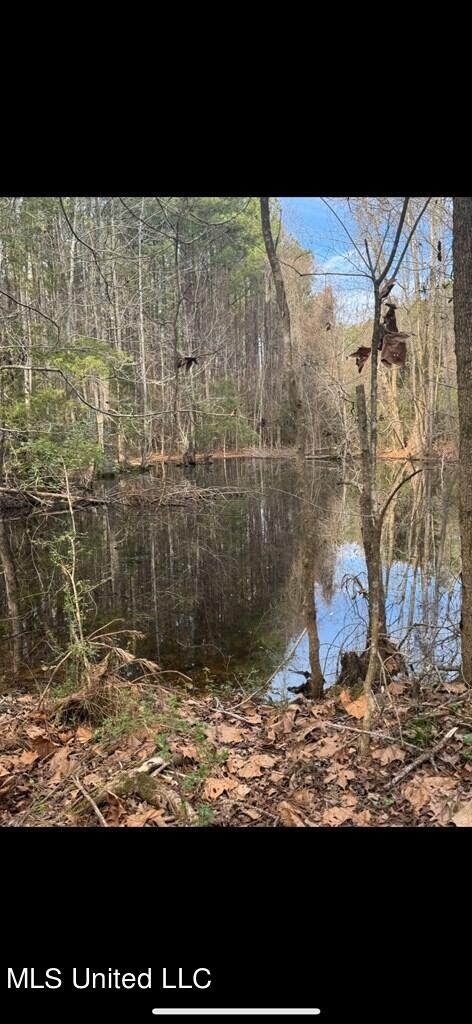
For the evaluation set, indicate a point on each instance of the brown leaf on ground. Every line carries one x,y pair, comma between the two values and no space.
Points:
463,817
455,687
93,779
142,817
251,812
303,797
34,732
421,790
388,754
307,729
348,800
396,688
362,817
213,788
289,817
253,719
326,747
229,734
189,751
26,759
336,815
340,775
241,791
355,708
84,734
60,765
253,766
4,773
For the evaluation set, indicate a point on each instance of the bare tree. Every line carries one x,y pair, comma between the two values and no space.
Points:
462,256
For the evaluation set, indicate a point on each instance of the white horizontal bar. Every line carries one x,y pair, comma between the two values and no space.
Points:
230,1012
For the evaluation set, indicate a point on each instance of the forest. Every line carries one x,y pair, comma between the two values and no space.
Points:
235,511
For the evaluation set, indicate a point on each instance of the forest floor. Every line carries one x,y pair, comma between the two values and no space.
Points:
165,758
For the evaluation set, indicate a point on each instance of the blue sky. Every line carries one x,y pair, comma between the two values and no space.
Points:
310,221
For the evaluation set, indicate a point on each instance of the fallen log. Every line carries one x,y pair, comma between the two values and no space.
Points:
141,782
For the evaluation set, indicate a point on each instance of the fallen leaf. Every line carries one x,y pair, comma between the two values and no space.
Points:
348,800
289,817
303,797
27,758
396,688
250,812
4,773
362,817
142,817
340,775
189,751
229,734
213,788
420,791
92,779
241,791
34,732
336,815
463,817
355,708
455,687
326,747
306,730
60,764
388,754
84,734
253,766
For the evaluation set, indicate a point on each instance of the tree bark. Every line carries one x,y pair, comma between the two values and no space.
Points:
462,261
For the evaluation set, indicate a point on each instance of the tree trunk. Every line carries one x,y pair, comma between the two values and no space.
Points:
462,258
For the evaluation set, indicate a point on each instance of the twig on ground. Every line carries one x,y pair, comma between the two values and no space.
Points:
91,802
428,755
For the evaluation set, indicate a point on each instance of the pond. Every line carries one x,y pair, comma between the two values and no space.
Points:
217,587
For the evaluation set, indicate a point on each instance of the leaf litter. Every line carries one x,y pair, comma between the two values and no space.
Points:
291,767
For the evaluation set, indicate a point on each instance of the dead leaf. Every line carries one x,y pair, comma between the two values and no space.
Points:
253,766
229,734
326,747
4,773
396,688
92,779
303,797
455,687
463,817
142,817
302,735
213,788
84,734
289,817
250,812
355,708
241,791
348,800
421,790
340,775
336,815
362,817
27,758
34,732
60,764
388,754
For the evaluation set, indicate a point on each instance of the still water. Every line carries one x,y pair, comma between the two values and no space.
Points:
217,587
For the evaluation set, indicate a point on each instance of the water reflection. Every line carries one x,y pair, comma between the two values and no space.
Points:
218,589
